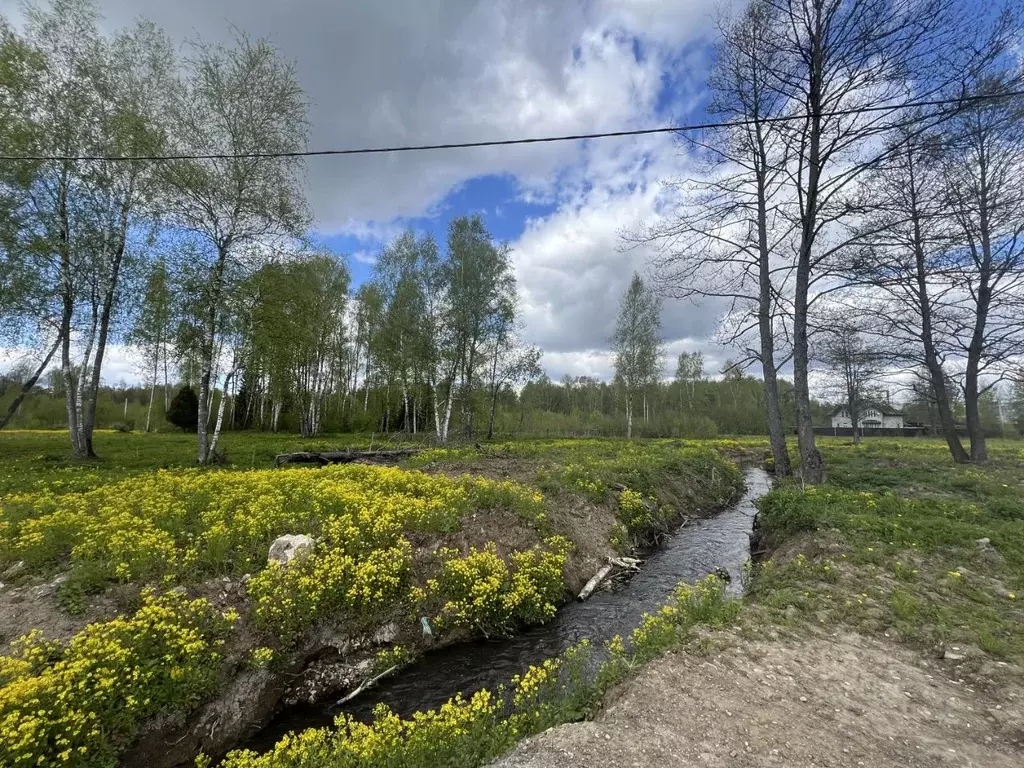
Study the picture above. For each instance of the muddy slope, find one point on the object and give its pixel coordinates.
(828, 701)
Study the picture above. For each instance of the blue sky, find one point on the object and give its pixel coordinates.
(495, 197)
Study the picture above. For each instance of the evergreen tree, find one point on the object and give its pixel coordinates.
(184, 410)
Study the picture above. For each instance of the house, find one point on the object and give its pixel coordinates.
(872, 415)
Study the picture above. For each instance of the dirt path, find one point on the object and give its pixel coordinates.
(837, 701)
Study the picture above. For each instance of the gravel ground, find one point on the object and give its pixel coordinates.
(844, 700)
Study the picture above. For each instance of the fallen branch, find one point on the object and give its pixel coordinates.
(366, 684)
(322, 458)
(626, 563)
(594, 582)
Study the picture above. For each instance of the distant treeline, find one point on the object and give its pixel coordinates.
(573, 406)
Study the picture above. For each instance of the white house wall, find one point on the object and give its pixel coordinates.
(888, 422)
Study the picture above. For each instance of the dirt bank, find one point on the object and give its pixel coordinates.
(841, 700)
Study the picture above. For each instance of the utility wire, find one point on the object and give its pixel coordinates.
(505, 142)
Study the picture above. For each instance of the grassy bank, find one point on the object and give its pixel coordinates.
(153, 584)
(904, 542)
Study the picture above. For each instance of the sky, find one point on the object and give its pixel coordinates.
(386, 72)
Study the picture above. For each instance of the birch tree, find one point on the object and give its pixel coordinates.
(238, 102)
(636, 343)
(151, 332)
(96, 97)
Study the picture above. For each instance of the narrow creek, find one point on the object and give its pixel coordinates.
(696, 550)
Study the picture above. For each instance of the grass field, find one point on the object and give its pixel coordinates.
(902, 541)
(139, 584)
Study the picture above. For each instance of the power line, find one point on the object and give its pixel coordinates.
(504, 142)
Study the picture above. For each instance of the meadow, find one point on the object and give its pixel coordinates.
(149, 579)
(133, 553)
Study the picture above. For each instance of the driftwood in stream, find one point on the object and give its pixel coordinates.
(322, 458)
(594, 582)
(627, 567)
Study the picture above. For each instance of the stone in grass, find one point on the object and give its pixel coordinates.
(291, 546)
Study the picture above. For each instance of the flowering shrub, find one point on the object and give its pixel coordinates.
(480, 590)
(75, 706)
(635, 513)
(190, 524)
(287, 601)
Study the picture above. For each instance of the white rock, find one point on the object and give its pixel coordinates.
(291, 546)
(386, 633)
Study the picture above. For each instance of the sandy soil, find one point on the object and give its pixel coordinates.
(829, 701)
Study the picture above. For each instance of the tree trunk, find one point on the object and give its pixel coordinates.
(29, 383)
(629, 416)
(494, 385)
(209, 353)
(67, 371)
(776, 432)
(220, 416)
(812, 465)
(931, 355)
(104, 333)
(167, 387)
(149, 410)
(490, 422)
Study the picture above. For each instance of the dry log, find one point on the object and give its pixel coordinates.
(322, 458)
(626, 563)
(594, 582)
(364, 686)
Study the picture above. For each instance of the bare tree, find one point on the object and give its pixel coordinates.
(844, 68)
(905, 257)
(727, 236)
(854, 365)
(984, 174)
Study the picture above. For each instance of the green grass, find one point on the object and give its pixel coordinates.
(890, 544)
(35, 459)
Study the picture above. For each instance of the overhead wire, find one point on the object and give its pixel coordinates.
(509, 142)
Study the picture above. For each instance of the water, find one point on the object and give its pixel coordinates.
(697, 549)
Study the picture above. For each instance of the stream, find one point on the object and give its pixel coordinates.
(692, 553)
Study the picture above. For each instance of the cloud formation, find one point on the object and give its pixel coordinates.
(410, 71)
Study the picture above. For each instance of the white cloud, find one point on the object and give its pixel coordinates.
(572, 268)
(365, 257)
(411, 71)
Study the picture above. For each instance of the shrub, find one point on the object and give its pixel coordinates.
(183, 411)
(479, 590)
(468, 732)
(288, 600)
(78, 705)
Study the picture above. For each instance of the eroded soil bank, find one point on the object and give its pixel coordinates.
(829, 700)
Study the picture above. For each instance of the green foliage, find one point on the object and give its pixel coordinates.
(183, 411)
(481, 591)
(78, 705)
(288, 601)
